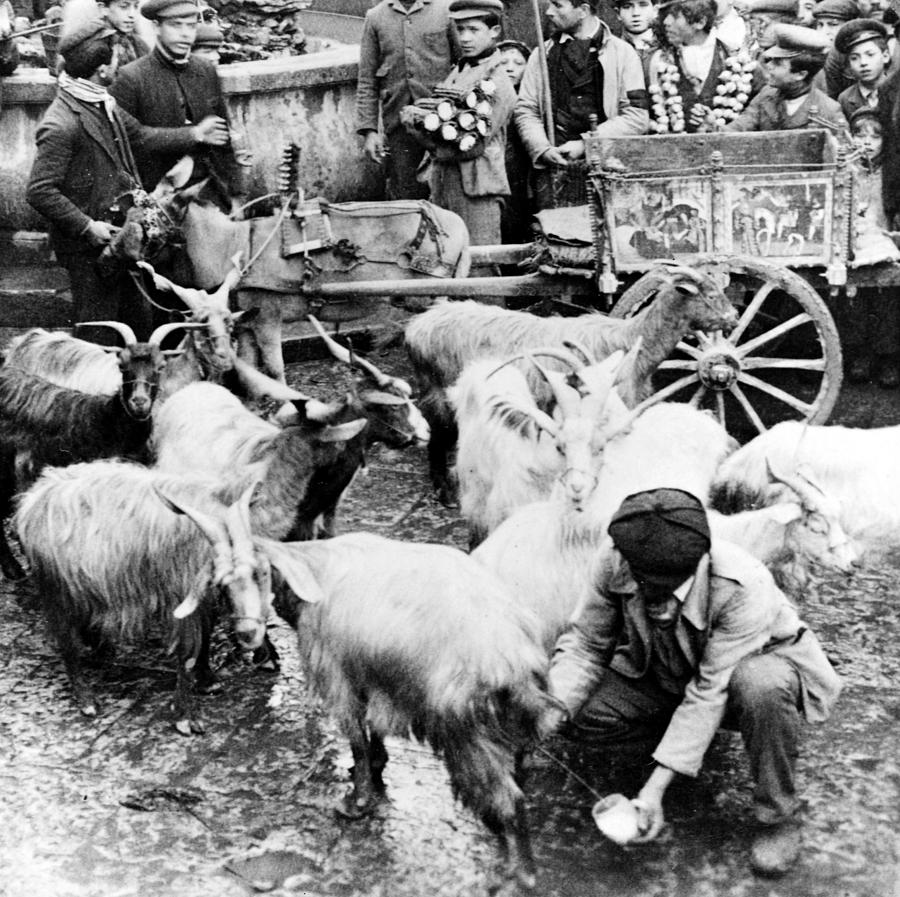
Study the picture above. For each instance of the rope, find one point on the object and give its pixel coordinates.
(567, 770)
(252, 203)
(137, 278)
(255, 257)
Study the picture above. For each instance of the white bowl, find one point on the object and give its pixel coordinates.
(617, 818)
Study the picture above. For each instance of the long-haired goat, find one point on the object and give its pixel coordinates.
(447, 337)
(857, 467)
(110, 559)
(419, 639)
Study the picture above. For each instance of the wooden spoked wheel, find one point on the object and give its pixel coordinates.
(782, 361)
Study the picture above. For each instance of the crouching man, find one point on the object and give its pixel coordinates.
(680, 635)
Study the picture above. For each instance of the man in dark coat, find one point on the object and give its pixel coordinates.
(889, 113)
(84, 162)
(169, 88)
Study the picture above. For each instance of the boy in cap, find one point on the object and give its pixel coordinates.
(169, 88)
(790, 100)
(122, 15)
(591, 72)
(638, 18)
(830, 15)
(407, 46)
(83, 163)
(863, 43)
(474, 187)
(679, 635)
(208, 42)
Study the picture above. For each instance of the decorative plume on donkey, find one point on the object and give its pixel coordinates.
(110, 559)
(419, 639)
(447, 337)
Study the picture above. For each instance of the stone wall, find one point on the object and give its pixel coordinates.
(307, 99)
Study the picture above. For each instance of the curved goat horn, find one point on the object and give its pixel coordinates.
(259, 384)
(559, 354)
(123, 330)
(797, 483)
(581, 349)
(509, 403)
(237, 520)
(164, 330)
(566, 397)
(341, 354)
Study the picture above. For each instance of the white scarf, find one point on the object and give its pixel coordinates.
(87, 92)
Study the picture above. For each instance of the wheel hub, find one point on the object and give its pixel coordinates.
(718, 370)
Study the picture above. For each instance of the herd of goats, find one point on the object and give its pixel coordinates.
(144, 490)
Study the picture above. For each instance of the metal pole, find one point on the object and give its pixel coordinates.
(547, 104)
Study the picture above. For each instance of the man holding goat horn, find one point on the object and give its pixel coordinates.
(682, 635)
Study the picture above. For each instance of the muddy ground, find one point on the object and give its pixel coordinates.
(122, 805)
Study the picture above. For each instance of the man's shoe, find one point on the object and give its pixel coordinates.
(889, 374)
(776, 849)
(860, 370)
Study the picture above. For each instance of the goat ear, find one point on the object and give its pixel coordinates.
(198, 590)
(175, 178)
(686, 287)
(287, 559)
(247, 315)
(341, 432)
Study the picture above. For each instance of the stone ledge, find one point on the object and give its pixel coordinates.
(336, 66)
(29, 87)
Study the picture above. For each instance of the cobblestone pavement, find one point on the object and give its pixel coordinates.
(121, 805)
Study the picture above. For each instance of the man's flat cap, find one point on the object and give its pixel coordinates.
(209, 36)
(769, 7)
(82, 34)
(792, 40)
(858, 31)
(471, 9)
(836, 9)
(169, 9)
(662, 533)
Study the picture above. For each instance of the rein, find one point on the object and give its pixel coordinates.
(265, 243)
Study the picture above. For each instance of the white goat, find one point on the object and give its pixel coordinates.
(858, 467)
(419, 639)
(447, 337)
(110, 559)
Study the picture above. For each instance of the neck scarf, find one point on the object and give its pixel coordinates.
(795, 91)
(87, 92)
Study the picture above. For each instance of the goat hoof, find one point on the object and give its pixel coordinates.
(447, 497)
(352, 807)
(188, 727)
(89, 709)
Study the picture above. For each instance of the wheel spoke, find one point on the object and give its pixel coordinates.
(776, 393)
(678, 364)
(749, 410)
(774, 333)
(720, 407)
(688, 349)
(697, 397)
(675, 386)
(794, 364)
(750, 311)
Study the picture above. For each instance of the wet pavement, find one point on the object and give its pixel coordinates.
(122, 805)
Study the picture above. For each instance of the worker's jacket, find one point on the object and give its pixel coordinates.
(767, 112)
(733, 610)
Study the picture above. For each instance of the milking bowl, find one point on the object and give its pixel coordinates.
(618, 818)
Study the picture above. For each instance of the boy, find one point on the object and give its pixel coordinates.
(122, 16)
(473, 187)
(515, 219)
(637, 18)
(830, 15)
(406, 48)
(864, 44)
(790, 101)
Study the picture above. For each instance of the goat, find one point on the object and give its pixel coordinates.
(51, 424)
(789, 536)
(855, 466)
(110, 559)
(447, 337)
(199, 430)
(419, 639)
(510, 452)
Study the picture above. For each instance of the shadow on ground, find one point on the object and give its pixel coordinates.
(122, 805)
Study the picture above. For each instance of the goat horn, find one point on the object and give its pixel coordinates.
(237, 520)
(508, 403)
(123, 330)
(796, 483)
(213, 529)
(581, 349)
(566, 397)
(164, 330)
(258, 384)
(233, 277)
(348, 357)
(559, 354)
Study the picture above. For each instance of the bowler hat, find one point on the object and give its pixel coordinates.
(169, 9)
(662, 533)
(82, 35)
(792, 40)
(472, 9)
(836, 9)
(209, 36)
(858, 31)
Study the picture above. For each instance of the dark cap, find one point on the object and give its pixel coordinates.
(836, 9)
(662, 533)
(864, 113)
(82, 34)
(769, 7)
(514, 45)
(169, 9)
(473, 9)
(792, 40)
(858, 31)
(209, 36)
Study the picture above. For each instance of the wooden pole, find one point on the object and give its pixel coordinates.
(547, 103)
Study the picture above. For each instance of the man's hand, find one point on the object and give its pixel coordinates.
(100, 233)
(374, 146)
(572, 150)
(212, 131)
(701, 118)
(649, 804)
(552, 156)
